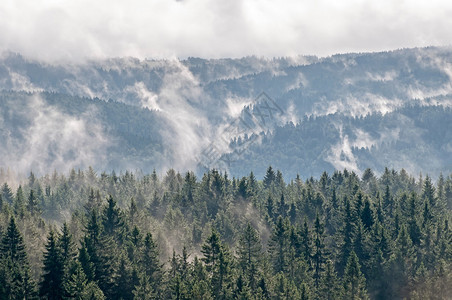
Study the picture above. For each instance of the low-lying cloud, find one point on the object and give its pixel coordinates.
(76, 30)
(48, 139)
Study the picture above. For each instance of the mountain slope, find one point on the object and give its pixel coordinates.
(350, 110)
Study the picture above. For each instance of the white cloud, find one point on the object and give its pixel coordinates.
(50, 139)
(66, 29)
(341, 155)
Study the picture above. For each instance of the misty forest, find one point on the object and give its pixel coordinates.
(84, 235)
(249, 178)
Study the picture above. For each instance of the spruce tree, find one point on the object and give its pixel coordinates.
(329, 287)
(32, 205)
(354, 281)
(249, 254)
(150, 263)
(8, 195)
(19, 202)
(279, 245)
(51, 286)
(318, 251)
(76, 282)
(13, 258)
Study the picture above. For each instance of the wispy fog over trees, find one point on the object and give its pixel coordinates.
(86, 235)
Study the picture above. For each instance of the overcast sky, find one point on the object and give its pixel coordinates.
(78, 29)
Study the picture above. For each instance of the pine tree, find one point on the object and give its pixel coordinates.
(32, 206)
(367, 214)
(249, 254)
(279, 245)
(124, 285)
(90, 205)
(284, 288)
(14, 259)
(413, 227)
(428, 192)
(329, 288)
(144, 291)
(150, 263)
(318, 253)
(7, 194)
(99, 249)
(76, 282)
(19, 202)
(218, 263)
(354, 281)
(346, 237)
(270, 208)
(67, 247)
(282, 207)
(112, 221)
(305, 242)
(51, 286)
(360, 246)
(269, 178)
(86, 263)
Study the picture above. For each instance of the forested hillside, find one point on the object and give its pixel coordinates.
(84, 235)
(47, 131)
(415, 137)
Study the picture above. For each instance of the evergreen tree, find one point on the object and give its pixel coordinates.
(32, 206)
(113, 225)
(99, 249)
(218, 262)
(19, 202)
(249, 254)
(345, 237)
(354, 281)
(13, 258)
(270, 208)
(318, 253)
(279, 245)
(305, 242)
(144, 291)
(8, 195)
(86, 263)
(150, 263)
(124, 284)
(428, 192)
(282, 207)
(52, 281)
(367, 214)
(329, 288)
(269, 178)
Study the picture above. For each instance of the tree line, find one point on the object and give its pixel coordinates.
(145, 236)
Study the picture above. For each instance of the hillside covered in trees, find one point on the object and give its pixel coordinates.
(353, 110)
(85, 235)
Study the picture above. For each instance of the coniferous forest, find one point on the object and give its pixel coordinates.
(84, 235)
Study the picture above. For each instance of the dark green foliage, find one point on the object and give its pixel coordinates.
(52, 280)
(150, 263)
(7, 194)
(269, 178)
(15, 276)
(318, 250)
(250, 255)
(32, 205)
(279, 245)
(354, 281)
(337, 237)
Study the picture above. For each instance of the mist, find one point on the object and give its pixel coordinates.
(45, 139)
(68, 31)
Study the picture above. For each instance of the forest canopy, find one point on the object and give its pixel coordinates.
(85, 235)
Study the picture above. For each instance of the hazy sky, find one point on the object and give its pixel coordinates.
(77, 29)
